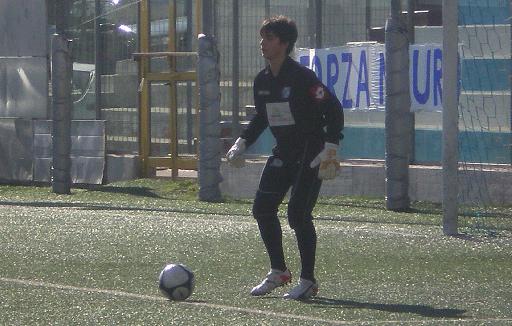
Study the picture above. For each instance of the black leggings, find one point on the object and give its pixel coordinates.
(277, 178)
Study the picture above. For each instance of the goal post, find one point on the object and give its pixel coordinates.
(450, 145)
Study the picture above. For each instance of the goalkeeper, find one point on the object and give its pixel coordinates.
(306, 120)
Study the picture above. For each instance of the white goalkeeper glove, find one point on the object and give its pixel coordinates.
(235, 154)
(328, 161)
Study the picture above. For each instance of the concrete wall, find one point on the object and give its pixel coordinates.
(16, 148)
(122, 167)
(26, 147)
(87, 151)
(360, 178)
(23, 59)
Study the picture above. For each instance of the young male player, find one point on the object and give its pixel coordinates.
(306, 121)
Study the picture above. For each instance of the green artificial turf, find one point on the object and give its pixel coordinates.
(93, 257)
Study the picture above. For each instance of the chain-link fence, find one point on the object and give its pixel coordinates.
(106, 34)
(109, 32)
(320, 23)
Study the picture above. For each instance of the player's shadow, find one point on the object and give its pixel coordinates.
(422, 310)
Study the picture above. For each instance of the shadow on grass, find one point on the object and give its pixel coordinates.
(134, 191)
(374, 221)
(480, 236)
(89, 206)
(433, 210)
(484, 214)
(421, 310)
(429, 209)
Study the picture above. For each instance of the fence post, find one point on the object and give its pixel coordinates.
(208, 17)
(208, 72)
(411, 8)
(97, 58)
(235, 80)
(397, 111)
(450, 117)
(318, 24)
(61, 114)
(315, 23)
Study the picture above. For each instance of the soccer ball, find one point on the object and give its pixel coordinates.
(176, 281)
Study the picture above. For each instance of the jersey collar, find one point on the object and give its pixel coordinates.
(284, 68)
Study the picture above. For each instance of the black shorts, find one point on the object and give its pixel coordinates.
(276, 179)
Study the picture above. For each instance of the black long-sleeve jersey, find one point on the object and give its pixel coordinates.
(301, 112)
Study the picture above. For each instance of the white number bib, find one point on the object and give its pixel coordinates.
(279, 114)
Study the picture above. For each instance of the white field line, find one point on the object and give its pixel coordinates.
(157, 298)
(235, 309)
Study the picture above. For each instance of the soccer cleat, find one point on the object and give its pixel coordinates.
(303, 291)
(275, 278)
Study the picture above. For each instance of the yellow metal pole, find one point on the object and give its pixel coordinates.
(144, 113)
(173, 103)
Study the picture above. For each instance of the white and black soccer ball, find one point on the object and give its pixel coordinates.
(176, 281)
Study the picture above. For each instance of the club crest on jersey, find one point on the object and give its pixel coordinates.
(285, 93)
(318, 93)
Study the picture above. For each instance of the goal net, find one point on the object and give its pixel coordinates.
(485, 140)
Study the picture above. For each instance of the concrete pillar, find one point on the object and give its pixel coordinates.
(62, 106)
(209, 126)
(397, 117)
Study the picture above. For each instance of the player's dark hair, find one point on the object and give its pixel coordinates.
(282, 27)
